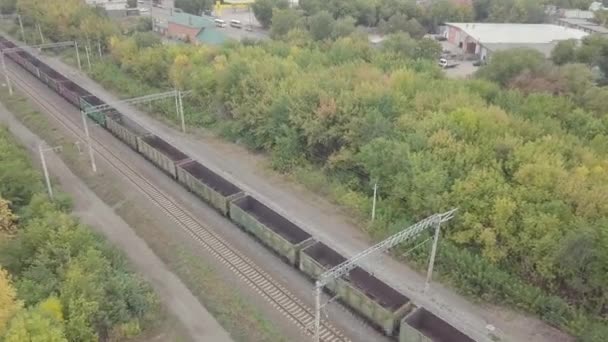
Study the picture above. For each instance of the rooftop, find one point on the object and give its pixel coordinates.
(544, 48)
(190, 20)
(576, 13)
(208, 32)
(585, 24)
(518, 33)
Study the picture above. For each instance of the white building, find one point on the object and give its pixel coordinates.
(482, 39)
(596, 6)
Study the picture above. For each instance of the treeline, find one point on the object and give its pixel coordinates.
(58, 280)
(527, 168)
(413, 17)
(574, 69)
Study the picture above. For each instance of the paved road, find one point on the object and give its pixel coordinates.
(247, 19)
(199, 323)
(328, 223)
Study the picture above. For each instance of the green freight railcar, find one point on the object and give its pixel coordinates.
(274, 230)
(318, 258)
(88, 104)
(422, 326)
(369, 296)
(124, 128)
(208, 185)
(161, 153)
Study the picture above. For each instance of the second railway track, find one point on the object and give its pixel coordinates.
(243, 267)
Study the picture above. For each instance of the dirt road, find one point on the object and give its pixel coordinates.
(200, 325)
(329, 224)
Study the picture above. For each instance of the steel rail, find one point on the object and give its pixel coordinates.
(277, 295)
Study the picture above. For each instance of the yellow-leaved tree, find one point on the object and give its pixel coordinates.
(9, 305)
(8, 220)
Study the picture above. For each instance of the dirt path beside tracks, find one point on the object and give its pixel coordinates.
(328, 223)
(200, 325)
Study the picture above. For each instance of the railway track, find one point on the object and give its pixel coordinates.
(278, 296)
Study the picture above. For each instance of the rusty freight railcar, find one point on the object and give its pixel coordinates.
(274, 230)
(318, 258)
(208, 185)
(161, 153)
(51, 78)
(373, 299)
(422, 326)
(124, 128)
(29, 62)
(72, 92)
(362, 292)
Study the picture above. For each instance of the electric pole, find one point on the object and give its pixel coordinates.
(429, 272)
(348, 265)
(181, 111)
(8, 80)
(40, 32)
(374, 201)
(86, 50)
(44, 168)
(86, 132)
(77, 55)
(21, 27)
(99, 49)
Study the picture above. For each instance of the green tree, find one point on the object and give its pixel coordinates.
(283, 21)
(18, 180)
(396, 23)
(8, 6)
(427, 48)
(196, 7)
(34, 325)
(505, 65)
(144, 24)
(321, 25)
(263, 11)
(601, 17)
(343, 27)
(564, 52)
(310, 7)
(414, 29)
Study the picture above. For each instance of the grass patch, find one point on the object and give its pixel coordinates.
(238, 316)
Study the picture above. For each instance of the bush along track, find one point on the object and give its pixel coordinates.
(63, 281)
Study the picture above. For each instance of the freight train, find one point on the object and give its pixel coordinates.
(380, 304)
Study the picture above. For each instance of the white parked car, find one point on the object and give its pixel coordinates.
(445, 63)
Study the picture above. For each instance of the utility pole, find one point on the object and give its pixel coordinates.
(86, 50)
(21, 27)
(429, 272)
(86, 132)
(77, 55)
(40, 32)
(44, 168)
(8, 80)
(181, 111)
(374, 201)
(317, 312)
(348, 265)
(177, 103)
(99, 49)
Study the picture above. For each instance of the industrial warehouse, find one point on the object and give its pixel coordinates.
(482, 39)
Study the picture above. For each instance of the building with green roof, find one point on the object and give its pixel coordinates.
(194, 29)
